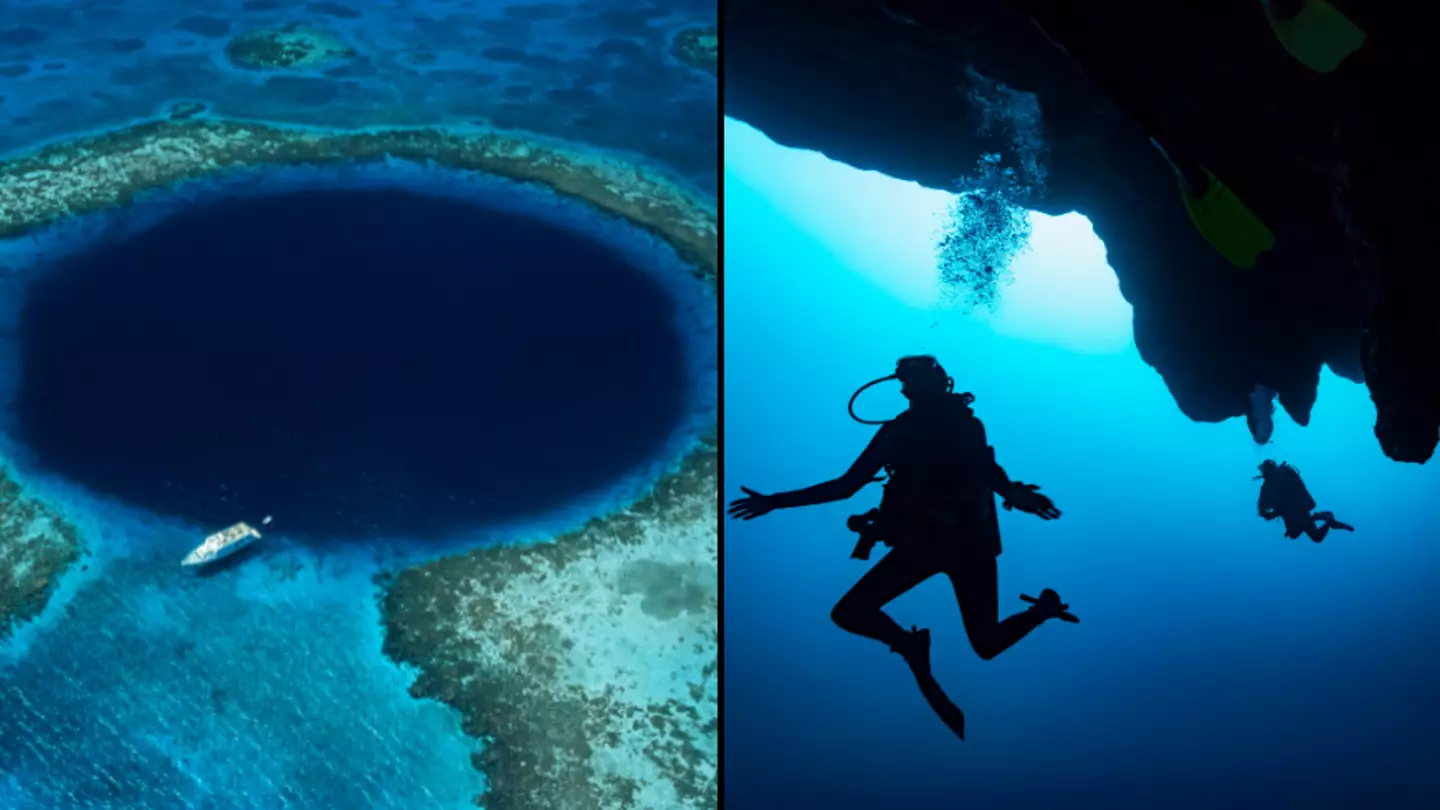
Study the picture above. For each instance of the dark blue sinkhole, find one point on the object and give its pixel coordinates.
(359, 364)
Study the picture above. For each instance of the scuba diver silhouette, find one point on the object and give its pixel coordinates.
(1284, 495)
(937, 515)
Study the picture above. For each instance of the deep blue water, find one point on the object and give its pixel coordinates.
(357, 363)
(1217, 664)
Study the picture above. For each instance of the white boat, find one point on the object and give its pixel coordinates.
(223, 543)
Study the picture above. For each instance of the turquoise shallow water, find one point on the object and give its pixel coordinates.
(159, 689)
(263, 686)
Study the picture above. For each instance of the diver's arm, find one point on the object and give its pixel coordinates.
(999, 482)
(862, 472)
(995, 476)
(1265, 505)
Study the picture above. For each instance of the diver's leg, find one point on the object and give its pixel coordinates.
(976, 584)
(1294, 527)
(859, 610)
(1316, 528)
(1329, 519)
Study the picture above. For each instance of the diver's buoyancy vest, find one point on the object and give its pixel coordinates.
(939, 487)
(937, 458)
(1288, 492)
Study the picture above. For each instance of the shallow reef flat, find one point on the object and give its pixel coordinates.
(37, 546)
(587, 665)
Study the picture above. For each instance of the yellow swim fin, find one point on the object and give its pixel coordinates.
(1320, 36)
(1228, 223)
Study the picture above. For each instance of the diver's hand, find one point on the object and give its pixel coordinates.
(752, 506)
(1026, 498)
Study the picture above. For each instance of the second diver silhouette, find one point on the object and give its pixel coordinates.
(1284, 495)
(937, 516)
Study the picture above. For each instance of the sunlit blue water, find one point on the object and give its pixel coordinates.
(1217, 664)
(145, 687)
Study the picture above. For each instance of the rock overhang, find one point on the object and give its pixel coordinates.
(890, 88)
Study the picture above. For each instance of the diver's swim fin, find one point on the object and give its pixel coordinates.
(944, 708)
(1227, 223)
(1329, 518)
(1319, 36)
(1049, 601)
(917, 655)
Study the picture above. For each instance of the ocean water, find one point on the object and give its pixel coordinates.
(397, 362)
(598, 73)
(1216, 664)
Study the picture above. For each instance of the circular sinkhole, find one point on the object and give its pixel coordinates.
(357, 363)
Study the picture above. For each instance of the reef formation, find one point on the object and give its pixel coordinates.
(1335, 164)
(699, 48)
(292, 47)
(587, 663)
(95, 173)
(37, 547)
